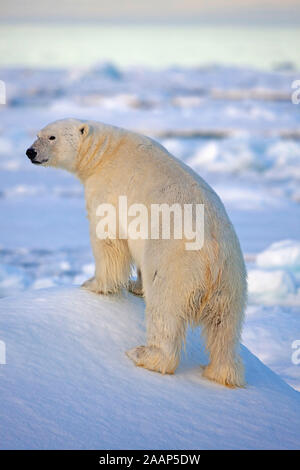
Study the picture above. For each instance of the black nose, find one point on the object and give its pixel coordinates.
(31, 153)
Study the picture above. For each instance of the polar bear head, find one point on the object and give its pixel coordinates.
(58, 144)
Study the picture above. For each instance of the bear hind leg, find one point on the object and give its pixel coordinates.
(222, 334)
(165, 334)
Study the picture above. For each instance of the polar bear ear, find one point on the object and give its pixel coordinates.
(84, 129)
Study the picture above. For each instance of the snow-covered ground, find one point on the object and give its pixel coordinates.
(238, 128)
(68, 384)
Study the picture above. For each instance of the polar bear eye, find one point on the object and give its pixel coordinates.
(52, 137)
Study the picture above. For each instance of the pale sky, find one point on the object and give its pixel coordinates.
(262, 11)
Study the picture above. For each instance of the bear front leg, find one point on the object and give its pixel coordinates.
(112, 266)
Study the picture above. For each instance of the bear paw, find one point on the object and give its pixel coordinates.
(152, 358)
(231, 376)
(135, 288)
(93, 285)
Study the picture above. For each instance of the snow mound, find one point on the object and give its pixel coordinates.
(68, 384)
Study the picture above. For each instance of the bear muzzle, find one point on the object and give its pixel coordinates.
(31, 154)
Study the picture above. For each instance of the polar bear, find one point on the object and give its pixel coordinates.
(181, 287)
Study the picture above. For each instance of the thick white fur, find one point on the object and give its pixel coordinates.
(206, 287)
